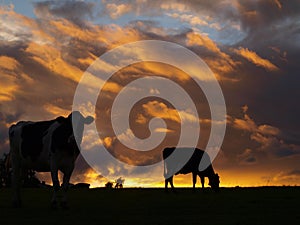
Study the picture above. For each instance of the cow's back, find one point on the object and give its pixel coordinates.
(192, 165)
(26, 141)
(32, 139)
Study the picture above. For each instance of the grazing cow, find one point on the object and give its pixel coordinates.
(46, 146)
(174, 167)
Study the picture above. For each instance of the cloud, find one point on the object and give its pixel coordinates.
(161, 110)
(270, 138)
(247, 157)
(220, 62)
(284, 177)
(256, 59)
(245, 124)
(202, 40)
(191, 19)
(56, 110)
(115, 11)
(51, 58)
(75, 11)
(8, 83)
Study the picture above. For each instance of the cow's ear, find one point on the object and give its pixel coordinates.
(88, 120)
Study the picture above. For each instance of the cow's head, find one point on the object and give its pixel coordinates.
(214, 182)
(78, 121)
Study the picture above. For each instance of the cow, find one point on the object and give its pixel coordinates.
(46, 146)
(175, 167)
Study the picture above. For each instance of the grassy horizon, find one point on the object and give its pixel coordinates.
(264, 205)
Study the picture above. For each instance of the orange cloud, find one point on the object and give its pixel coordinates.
(51, 58)
(89, 176)
(221, 63)
(246, 124)
(8, 63)
(7, 90)
(108, 141)
(202, 40)
(246, 157)
(163, 130)
(88, 60)
(112, 87)
(56, 110)
(8, 84)
(165, 70)
(267, 129)
(256, 59)
(161, 110)
(269, 137)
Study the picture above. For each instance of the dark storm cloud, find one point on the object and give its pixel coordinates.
(5, 120)
(75, 11)
(264, 14)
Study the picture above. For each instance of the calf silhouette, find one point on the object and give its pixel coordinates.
(192, 166)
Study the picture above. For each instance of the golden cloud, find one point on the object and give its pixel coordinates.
(256, 59)
(112, 87)
(51, 58)
(161, 110)
(108, 141)
(8, 63)
(56, 110)
(202, 40)
(8, 84)
(221, 63)
(246, 124)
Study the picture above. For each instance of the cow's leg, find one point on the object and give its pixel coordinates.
(166, 184)
(202, 181)
(171, 183)
(55, 181)
(194, 180)
(65, 185)
(16, 181)
(169, 180)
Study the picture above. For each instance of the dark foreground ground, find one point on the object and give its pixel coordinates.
(232, 206)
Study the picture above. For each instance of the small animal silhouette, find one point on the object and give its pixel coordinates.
(192, 166)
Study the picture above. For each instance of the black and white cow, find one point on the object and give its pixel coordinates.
(191, 166)
(46, 146)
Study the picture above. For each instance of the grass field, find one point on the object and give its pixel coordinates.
(232, 206)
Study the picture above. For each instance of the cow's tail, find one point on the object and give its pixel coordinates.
(8, 159)
(165, 169)
(166, 153)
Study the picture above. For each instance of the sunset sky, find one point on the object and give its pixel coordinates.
(251, 46)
